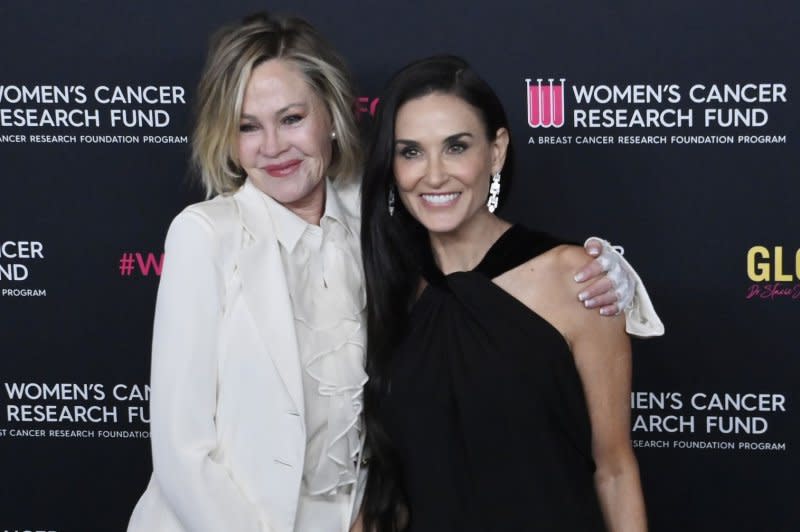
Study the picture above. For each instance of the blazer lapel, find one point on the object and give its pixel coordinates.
(265, 291)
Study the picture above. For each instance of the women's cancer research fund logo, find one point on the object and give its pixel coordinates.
(545, 102)
(740, 110)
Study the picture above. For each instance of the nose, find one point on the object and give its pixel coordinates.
(272, 143)
(436, 173)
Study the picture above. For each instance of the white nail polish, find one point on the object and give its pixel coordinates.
(578, 277)
(582, 296)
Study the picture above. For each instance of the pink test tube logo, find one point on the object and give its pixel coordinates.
(545, 103)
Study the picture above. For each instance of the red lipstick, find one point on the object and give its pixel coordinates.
(282, 169)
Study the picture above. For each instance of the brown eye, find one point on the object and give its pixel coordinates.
(457, 147)
(409, 152)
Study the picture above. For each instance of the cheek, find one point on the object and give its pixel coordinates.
(482, 182)
(326, 148)
(317, 146)
(475, 177)
(247, 149)
(317, 143)
(404, 174)
(316, 132)
(406, 183)
(477, 168)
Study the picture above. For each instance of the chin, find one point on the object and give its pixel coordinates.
(292, 192)
(441, 223)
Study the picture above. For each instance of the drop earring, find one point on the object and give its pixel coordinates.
(390, 200)
(494, 192)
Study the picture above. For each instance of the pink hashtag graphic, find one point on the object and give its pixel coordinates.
(145, 264)
(126, 264)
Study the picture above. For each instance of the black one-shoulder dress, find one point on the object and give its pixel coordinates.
(486, 409)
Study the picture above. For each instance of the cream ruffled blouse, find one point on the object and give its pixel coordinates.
(325, 278)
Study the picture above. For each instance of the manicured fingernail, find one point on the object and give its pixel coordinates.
(589, 303)
(594, 252)
(604, 312)
(582, 296)
(580, 276)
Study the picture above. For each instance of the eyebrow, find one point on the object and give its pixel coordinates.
(447, 140)
(279, 111)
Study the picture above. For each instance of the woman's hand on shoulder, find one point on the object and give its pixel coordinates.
(546, 285)
(603, 292)
(608, 283)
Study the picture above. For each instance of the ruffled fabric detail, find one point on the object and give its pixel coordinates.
(329, 301)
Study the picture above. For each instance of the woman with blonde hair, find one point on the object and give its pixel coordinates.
(259, 337)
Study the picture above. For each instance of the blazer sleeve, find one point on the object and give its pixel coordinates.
(199, 490)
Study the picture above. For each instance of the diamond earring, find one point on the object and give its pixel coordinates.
(494, 192)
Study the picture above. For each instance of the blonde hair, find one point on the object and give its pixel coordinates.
(234, 52)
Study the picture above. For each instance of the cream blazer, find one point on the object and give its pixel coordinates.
(227, 427)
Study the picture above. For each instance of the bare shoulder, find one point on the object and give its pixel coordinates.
(584, 324)
(553, 271)
(568, 258)
(546, 285)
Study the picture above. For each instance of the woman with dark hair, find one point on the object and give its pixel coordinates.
(258, 338)
(493, 401)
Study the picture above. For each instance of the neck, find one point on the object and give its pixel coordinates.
(463, 248)
(310, 207)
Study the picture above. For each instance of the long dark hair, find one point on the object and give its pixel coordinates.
(395, 249)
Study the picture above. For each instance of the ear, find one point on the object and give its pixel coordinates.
(499, 148)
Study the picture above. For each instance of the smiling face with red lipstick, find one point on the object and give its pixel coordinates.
(285, 138)
(443, 161)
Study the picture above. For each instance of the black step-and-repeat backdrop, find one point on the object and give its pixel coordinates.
(672, 130)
